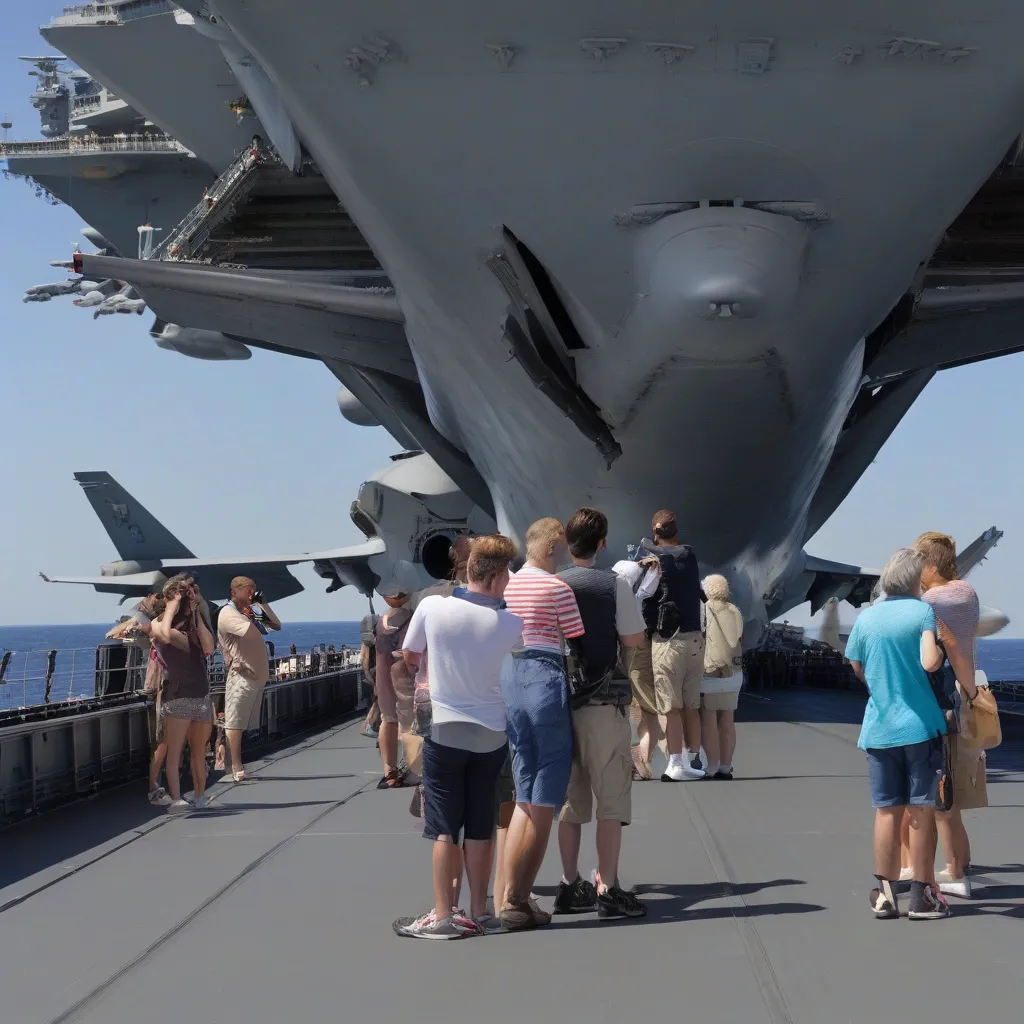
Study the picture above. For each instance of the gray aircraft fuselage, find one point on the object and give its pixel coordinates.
(435, 127)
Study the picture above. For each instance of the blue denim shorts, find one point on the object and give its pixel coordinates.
(905, 776)
(536, 696)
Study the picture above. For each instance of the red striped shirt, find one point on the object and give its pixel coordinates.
(543, 602)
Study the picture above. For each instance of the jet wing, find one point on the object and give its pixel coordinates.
(214, 575)
(290, 311)
(184, 564)
(133, 585)
(839, 580)
(954, 325)
(350, 566)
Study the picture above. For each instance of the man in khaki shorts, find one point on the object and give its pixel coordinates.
(602, 770)
(246, 665)
(677, 647)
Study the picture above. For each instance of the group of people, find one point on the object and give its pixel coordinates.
(914, 648)
(511, 694)
(175, 632)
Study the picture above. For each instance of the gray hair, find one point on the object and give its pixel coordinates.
(901, 576)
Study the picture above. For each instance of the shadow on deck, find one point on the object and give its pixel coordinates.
(277, 902)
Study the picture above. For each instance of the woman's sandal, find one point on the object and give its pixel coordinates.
(394, 779)
(641, 769)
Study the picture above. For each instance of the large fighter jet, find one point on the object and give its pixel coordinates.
(408, 513)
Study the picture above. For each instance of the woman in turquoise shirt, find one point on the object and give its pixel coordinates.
(891, 648)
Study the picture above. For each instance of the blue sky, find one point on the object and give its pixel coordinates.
(273, 467)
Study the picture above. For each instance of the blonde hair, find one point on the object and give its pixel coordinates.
(489, 556)
(938, 550)
(716, 588)
(542, 537)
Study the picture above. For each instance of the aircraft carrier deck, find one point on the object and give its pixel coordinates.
(277, 902)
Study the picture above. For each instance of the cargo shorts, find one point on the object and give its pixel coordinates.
(602, 766)
(637, 663)
(678, 664)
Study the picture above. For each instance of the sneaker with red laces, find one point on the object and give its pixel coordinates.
(429, 926)
(464, 922)
(931, 905)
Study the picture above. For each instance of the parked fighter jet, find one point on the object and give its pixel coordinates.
(125, 301)
(409, 513)
(45, 292)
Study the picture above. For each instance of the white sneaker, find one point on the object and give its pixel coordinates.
(681, 773)
(159, 797)
(200, 802)
(956, 887)
(179, 807)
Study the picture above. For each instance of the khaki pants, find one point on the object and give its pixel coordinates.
(638, 666)
(602, 766)
(242, 701)
(678, 664)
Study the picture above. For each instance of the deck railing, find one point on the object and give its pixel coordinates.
(30, 679)
(111, 13)
(86, 144)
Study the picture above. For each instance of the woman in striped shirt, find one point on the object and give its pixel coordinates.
(536, 697)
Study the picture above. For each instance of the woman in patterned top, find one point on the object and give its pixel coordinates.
(183, 643)
(955, 603)
(536, 696)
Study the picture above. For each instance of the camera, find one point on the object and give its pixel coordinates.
(257, 598)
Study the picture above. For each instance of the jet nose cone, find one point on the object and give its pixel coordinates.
(991, 620)
(722, 263)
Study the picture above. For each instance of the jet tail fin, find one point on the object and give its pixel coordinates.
(975, 553)
(137, 534)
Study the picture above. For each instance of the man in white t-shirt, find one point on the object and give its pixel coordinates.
(467, 636)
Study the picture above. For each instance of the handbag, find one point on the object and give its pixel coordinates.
(979, 718)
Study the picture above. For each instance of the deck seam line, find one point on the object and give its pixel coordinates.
(757, 955)
(101, 991)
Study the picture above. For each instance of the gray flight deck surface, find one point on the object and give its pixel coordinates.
(277, 903)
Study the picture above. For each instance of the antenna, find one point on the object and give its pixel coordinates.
(7, 125)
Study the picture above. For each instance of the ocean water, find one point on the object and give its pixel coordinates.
(24, 679)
